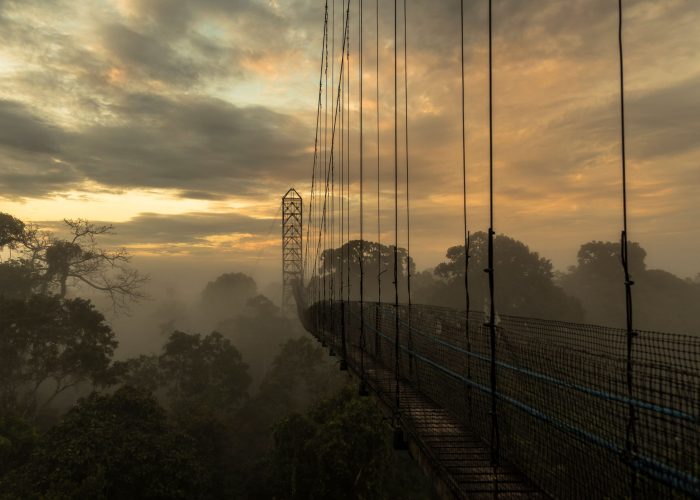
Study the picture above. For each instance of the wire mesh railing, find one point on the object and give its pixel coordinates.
(561, 396)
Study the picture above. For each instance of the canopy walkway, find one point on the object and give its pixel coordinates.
(492, 406)
(561, 400)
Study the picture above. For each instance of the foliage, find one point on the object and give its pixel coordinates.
(378, 260)
(226, 296)
(54, 263)
(661, 300)
(258, 331)
(524, 281)
(116, 446)
(299, 377)
(204, 371)
(50, 345)
(16, 280)
(338, 450)
(17, 439)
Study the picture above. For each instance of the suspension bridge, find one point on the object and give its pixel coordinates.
(490, 405)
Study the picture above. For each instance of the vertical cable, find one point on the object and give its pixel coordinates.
(408, 203)
(397, 364)
(490, 269)
(343, 305)
(363, 388)
(464, 214)
(379, 221)
(332, 167)
(325, 199)
(310, 227)
(347, 146)
(631, 434)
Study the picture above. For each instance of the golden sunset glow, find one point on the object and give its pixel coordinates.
(124, 111)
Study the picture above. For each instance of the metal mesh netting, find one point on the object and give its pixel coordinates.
(562, 399)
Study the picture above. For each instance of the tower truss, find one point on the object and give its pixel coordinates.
(292, 255)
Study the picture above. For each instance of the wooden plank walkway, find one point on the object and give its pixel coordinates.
(449, 453)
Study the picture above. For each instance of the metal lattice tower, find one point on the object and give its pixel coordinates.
(292, 255)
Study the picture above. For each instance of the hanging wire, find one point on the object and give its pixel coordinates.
(311, 225)
(464, 213)
(630, 434)
(490, 270)
(323, 231)
(332, 249)
(343, 303)
(408, 198)
(347, 147)
(397, 351)
(363, 382)
(379, 220)
(325, 199)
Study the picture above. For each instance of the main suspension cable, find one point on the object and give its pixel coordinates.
(315, 160)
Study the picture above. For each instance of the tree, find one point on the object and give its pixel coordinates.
(111, 446)
(378, 260)
(47, 346)
(300, 376)
(204, 371)
(55, 263)
(524, 281)
(226, 296)
(12, 231)
(340, 449)
(258, 330)
(662, 301)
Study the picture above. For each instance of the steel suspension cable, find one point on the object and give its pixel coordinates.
(325, 199)
(630, 434)
(397, 351)
(347, 147)
(334, 125)
(408, 202)
(363, 383)
(332, 249)
(346, 253)
(315, 160)
(464, 212)
(495, 445)
(379, 223)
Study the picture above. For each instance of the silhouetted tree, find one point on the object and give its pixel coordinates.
(54, 263)
(378, 260)
(47, 346)
(524, 281)
(338, 450)
(258, 330)
(112, 446)
(662, 301)
(226, 296)
(203, 371)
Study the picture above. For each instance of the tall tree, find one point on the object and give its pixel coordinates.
(48, 346)
(662, 301)
(55, 263)
(378, 260)
(117, 446)
(524, 281)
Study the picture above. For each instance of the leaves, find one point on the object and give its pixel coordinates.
(48, 342)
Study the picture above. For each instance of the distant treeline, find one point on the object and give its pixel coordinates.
(592, 291)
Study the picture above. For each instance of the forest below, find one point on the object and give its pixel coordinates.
(241, 403)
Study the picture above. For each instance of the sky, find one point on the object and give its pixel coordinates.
(183, 122)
